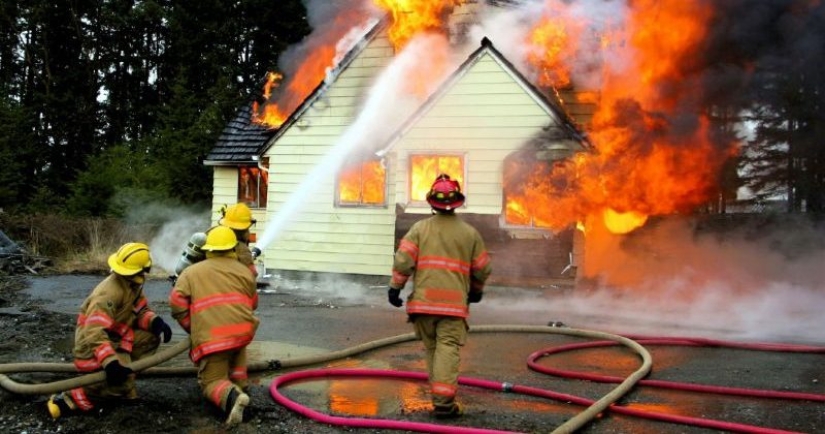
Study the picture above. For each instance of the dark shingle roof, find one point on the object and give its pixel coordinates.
(240, 140)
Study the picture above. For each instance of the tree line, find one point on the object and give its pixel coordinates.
(104, 104)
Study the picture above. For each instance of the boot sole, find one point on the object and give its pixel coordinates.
(236, 415)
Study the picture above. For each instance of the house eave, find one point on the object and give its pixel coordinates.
(229, 163)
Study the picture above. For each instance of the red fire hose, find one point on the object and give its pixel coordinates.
(532, 363)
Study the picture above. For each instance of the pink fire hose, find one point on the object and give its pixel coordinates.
(532, 363)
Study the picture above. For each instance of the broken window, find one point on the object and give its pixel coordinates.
(253, 181)
(362, 183)
(424, 168)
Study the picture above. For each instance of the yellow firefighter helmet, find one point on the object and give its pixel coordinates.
(237, 216)
(220, 239)
(131, 259)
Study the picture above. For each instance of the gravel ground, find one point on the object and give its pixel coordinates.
(33, 329)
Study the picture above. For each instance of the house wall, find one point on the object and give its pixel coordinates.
(485, 116)
(318, 236)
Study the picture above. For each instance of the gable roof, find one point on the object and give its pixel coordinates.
(242, 140)
(566, 130)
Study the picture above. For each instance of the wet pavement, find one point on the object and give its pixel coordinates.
(316, 317)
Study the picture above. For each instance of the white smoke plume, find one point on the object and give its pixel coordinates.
(759, 283)
(170, 241)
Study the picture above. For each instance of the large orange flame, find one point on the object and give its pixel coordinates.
(412, 17)
(645, 162)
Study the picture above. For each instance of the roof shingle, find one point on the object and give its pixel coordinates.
(240, 140)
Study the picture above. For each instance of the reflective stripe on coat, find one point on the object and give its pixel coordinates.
(107, 322)
(447, 258)
(214, 301)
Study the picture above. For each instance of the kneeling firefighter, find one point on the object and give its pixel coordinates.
(237, 217)
(215, 301)
(115, 327)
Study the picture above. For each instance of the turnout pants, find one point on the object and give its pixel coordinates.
(219, 373)
(443, 337)
(84, 398)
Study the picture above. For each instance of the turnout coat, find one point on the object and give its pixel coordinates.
(447, 258)
(107, 322)
(214, 301)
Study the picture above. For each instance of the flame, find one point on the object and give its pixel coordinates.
(623, 222)
(363, 183)
(283, 93)
(306, 78)
(425, 168)
(409, 19)
(551, 49)
(644, 163)
(413, 17)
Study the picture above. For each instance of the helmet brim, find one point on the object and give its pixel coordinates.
(234, 225)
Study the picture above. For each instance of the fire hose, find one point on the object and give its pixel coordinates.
(147, 366)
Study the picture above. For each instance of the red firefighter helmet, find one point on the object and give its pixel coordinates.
(445, 194)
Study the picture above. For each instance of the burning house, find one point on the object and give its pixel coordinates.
(334, 181)
(337, 157)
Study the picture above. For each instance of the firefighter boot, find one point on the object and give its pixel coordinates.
(60, 405)
(449, 411)
(236, 402)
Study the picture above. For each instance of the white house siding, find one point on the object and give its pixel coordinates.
(485, 116)
(320, 237)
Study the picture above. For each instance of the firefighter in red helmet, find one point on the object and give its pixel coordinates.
(450, 265)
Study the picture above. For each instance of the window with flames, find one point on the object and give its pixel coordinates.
(362, 183)
(253, 182)
(424, 168)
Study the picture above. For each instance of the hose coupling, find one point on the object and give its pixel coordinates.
(556, 324)
(274, 365)
(506, 387)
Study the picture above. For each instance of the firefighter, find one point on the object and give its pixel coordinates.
(237, 217)
(450, 266)
(214, 301)
(115, 327)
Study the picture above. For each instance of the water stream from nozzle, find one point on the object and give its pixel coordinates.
(383, 111)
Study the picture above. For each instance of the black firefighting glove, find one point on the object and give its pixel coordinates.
(116, 374)
(160, 327)
(393, 297)
(475, 296)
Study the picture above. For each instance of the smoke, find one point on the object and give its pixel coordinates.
(170, 241)
(761, 282)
